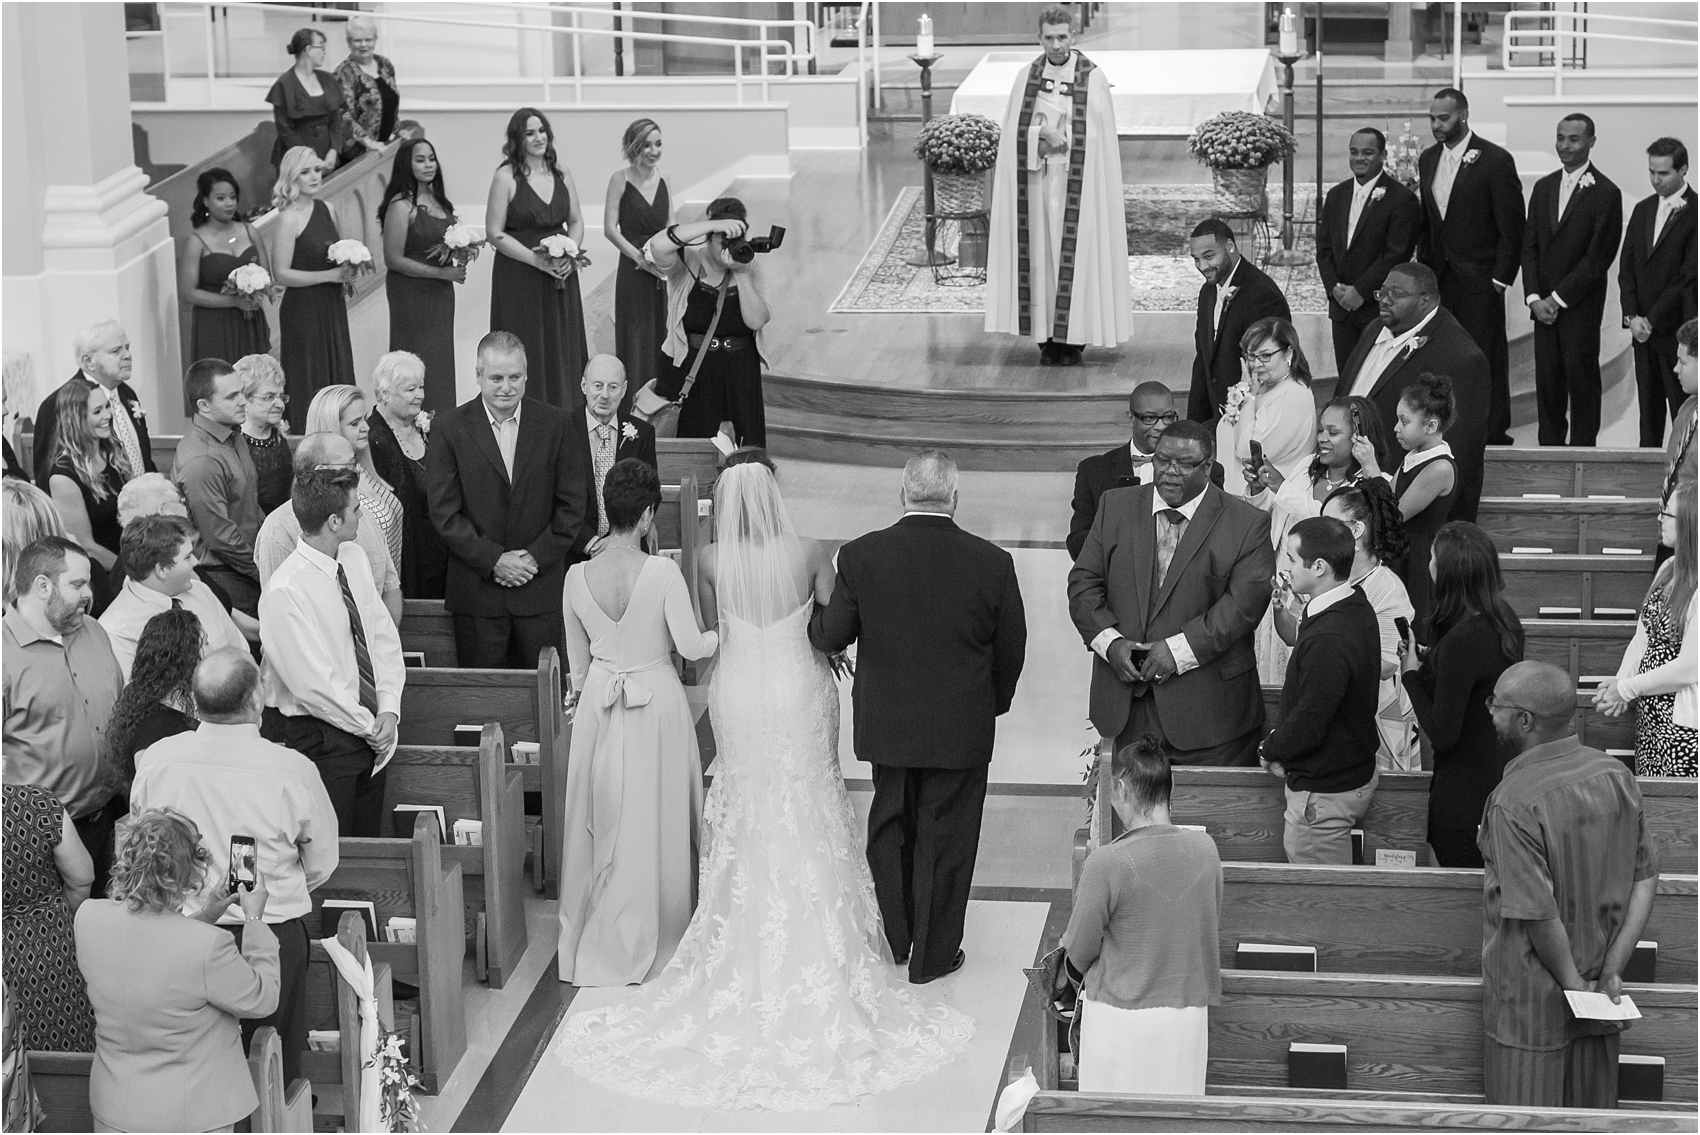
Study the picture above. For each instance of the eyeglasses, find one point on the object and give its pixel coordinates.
(1391, 296)
(268, 399)
(1493, 704)
(1168, 419)
(1262, 358)
(1172, 463)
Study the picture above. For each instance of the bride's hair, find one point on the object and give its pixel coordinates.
(756, 546)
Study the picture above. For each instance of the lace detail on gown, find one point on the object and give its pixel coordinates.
(782, 994)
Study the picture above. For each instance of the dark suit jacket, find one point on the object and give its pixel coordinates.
(641, 447)
(1216, 359)
(1658, 280)
(480, 514)
(1481, 238)
(1572, 254)
(1097, 475)
(1385, 236)
(47, 420)
(1447, 349)
(1216, 591)
(942, 635)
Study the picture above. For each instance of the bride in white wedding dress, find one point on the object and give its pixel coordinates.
(783, 993)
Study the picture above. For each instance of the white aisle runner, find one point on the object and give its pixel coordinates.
(1000, 939)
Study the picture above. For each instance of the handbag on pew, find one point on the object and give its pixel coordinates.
(648, 403)
(1059, 992)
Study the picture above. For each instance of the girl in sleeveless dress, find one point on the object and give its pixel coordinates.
(415, 213)
(313, 318)
(782, 993)
(1426, 482)
(637, 196)
(219, 242)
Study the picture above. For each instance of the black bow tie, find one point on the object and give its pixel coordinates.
(1141, 458)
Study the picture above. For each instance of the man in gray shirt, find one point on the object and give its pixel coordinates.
(216, 473)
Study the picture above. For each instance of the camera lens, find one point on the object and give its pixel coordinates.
(741, 251)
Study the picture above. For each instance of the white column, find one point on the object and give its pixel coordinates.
(83, 240)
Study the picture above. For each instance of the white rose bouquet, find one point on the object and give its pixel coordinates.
(459, 247)
(1238, 395)
(561, 250)
(253, 283)
(351, 253)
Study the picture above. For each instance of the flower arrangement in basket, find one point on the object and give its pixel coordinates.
(561, 250)
(351, 253)
(459, 247)
(959, 149)
(252, 283)
(1239, 147)
(396, 1080)
(1402, 155)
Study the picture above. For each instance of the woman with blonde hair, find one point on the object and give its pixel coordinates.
(86, 470)
(26, 515)
(263, 385)
(342, 410)
(638, 200)
(169, 989)
(398, 427)
(1658, 669)
(313, 344)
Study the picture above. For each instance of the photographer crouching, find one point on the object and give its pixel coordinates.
(715, 313)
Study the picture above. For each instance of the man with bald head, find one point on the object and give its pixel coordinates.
(1571, 870)
(611, 436)
(281, 532)
(1411, 336)
(233, 782)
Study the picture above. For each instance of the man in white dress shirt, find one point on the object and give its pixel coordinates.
(334, 670)
(232, 782)
(159, 567)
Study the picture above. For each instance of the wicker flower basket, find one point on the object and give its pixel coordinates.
(960, 194)
(1241, 190)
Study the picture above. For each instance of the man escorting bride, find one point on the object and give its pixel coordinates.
(782, 992)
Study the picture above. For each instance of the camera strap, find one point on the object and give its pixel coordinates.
(708, 338)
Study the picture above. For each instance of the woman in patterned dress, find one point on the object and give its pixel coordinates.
(1658, 669)
(342, 410)
(47, 874)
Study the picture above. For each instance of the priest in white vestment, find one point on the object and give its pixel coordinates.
(1062, 284)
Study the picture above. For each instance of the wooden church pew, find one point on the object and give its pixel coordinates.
(332, 1003)
(428, 628)
(679, 457)
(1538, 585)
(1586, 526)
(408, 878)
(1593, 727)
(1587, 648)
(1511, 471)
(475, 784)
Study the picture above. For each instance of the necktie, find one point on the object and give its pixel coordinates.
(124, 431)
(1444, 175)
(362, 656)
(602, 462)
(1661, 215)
(1168, 539)
(1360, 198)
(1675, 469)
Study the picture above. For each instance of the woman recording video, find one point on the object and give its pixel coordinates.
(715, 313)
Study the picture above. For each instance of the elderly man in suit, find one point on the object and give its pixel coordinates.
(507, 477)
(1415, 334)
(1234, 296)
(1167, 592)
(610, 437)
(103, 356)
(1472, 238)
(1369, 223)
(1656, 276)
(1575, 219)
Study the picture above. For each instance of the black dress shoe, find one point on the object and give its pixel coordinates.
(1070, 356)
(954, 966)
(902, 959)
(1048, 354)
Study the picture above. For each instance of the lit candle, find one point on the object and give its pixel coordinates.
(1289, 33)
(924, 41)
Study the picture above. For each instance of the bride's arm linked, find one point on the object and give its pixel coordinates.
(688, 640)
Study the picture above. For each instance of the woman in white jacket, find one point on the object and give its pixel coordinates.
(1659, 668)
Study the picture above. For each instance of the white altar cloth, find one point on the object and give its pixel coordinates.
(1156, 93)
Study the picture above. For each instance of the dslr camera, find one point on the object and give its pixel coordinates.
(743, 249)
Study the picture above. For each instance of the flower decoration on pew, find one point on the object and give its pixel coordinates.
(562, 250)
(459, 247)
(351, 254)
(251, 282)
(959, 143)
(398, 1109)
(1238, 139)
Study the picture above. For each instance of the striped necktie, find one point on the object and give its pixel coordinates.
(1675, 469)
(602, 462)
(362, 656)
(124, 433)
(1168, 539)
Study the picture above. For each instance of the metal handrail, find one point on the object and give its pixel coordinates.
(1520, 39)
(805, 29)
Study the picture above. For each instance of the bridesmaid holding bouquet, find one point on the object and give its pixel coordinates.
(533, 294)
(313, 318)
(223, 324)
(416, 215)
(639, 202)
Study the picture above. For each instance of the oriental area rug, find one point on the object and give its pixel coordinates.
(1159, 217)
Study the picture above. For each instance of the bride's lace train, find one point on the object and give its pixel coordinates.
(782, 994)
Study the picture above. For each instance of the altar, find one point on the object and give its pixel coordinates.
(1157, 94)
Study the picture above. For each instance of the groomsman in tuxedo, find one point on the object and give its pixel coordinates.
(507, 477)
(610, 436)
(1369, 223)
(1656, 275)
(1473, 238)
(1234, 296)
(1575, 220)
(942, 635)
(1415, 334)
(103, 357)
(1167, 593)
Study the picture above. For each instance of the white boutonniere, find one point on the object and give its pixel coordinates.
(137, 414)
(1470, 157)
(1238, 395)
(1377, 194)
(1414, 346)
(1228, 295)
(423, 422)
(628, 431)
(1676, 206)
(1585, 180)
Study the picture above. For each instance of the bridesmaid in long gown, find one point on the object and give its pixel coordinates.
(313, 318)
(638, 198)
(634, 781)
(219, 242)
(415, 213)
(531, 196)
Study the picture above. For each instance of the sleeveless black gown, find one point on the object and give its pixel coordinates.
(640, 299)
(226, 333)
(546, 314)
(313, 323)
(422, 313)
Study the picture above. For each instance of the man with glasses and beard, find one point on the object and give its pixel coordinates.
(1414, 335)
(62, 680)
